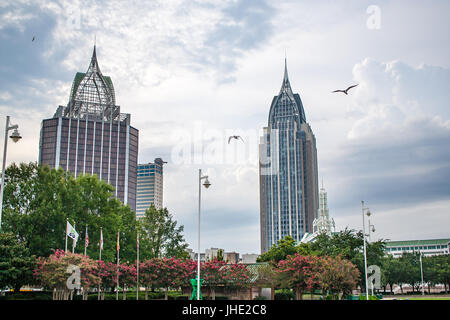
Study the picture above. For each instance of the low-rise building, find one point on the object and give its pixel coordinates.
(430, 247)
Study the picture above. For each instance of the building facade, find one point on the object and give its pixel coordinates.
(288, 171)
(429, 247)
(91, 136)
(149, 186)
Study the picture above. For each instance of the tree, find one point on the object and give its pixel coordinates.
(220, 255)
(349, 245)
(52, 273)
(300, 273)
(38, 200)
(107, 272)
(213, 275)
(267, 277)
(128, 277)
(160, 236)
(171, 273)
(279, 251)
(337, 275)
(16, 262)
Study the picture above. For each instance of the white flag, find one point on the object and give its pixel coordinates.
(71, 232)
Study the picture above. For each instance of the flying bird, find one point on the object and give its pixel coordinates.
(33, 38)
(346, 90)
(234, 137)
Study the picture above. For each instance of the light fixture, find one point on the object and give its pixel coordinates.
(15, 136)
(206, 183)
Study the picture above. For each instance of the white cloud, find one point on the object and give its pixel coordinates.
(176, 63)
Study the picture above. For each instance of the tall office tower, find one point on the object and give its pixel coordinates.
(288, 170)
(91, 136)
(149, 186)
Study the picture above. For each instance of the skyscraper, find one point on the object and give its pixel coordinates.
(149, 186)
(287, 170)
(90, 136)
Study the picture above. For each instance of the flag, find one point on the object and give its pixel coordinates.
(71, 232)
(86, 243)
(118, 246)
(101, 239)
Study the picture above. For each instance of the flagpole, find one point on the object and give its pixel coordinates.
(100, 256)
(137, 268)
(73, 242)
(85, 241)
(118, 251)
(101, 244)
(67, 221)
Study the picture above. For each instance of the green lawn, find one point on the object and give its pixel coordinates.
(428, 298)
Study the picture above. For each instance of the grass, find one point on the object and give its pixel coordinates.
(427, 298)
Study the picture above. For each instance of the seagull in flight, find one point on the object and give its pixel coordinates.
(346, 90)
(234, 137)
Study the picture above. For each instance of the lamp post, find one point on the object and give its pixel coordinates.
(421, 273)
(15, 136)
(206, 184)
(364, 242)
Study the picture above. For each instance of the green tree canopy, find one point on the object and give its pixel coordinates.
(160, 236)
(16, 262)
(38, 201)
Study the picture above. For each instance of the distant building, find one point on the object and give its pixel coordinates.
(211, 253)
(231, 257)
(430, 247)
(91, 136)
(193, 255)
(249, 258)
(287, 171)
(149, 186)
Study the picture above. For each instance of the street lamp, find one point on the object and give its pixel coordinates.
(206, 184)
(364, 242)
(15, 136)
(421, 272)
(371, 226)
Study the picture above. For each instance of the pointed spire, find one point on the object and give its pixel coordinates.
(286, 86)
(93, 66)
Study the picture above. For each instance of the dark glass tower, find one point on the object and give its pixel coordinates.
(91, 136)
(288, 170)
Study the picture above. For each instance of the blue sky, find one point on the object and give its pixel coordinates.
(191, 73)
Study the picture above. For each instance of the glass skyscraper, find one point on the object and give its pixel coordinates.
(149, 186)
(288, 170)
(91, 136)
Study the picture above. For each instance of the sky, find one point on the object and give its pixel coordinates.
(192, 73)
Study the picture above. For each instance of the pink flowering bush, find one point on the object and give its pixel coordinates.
(52, 274)
(300, 273)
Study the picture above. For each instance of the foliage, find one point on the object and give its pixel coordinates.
(16, 262)
(299, 273)
(51, 272)
(280, 251)
(38, 200)
(337, 275)
(160, 236)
